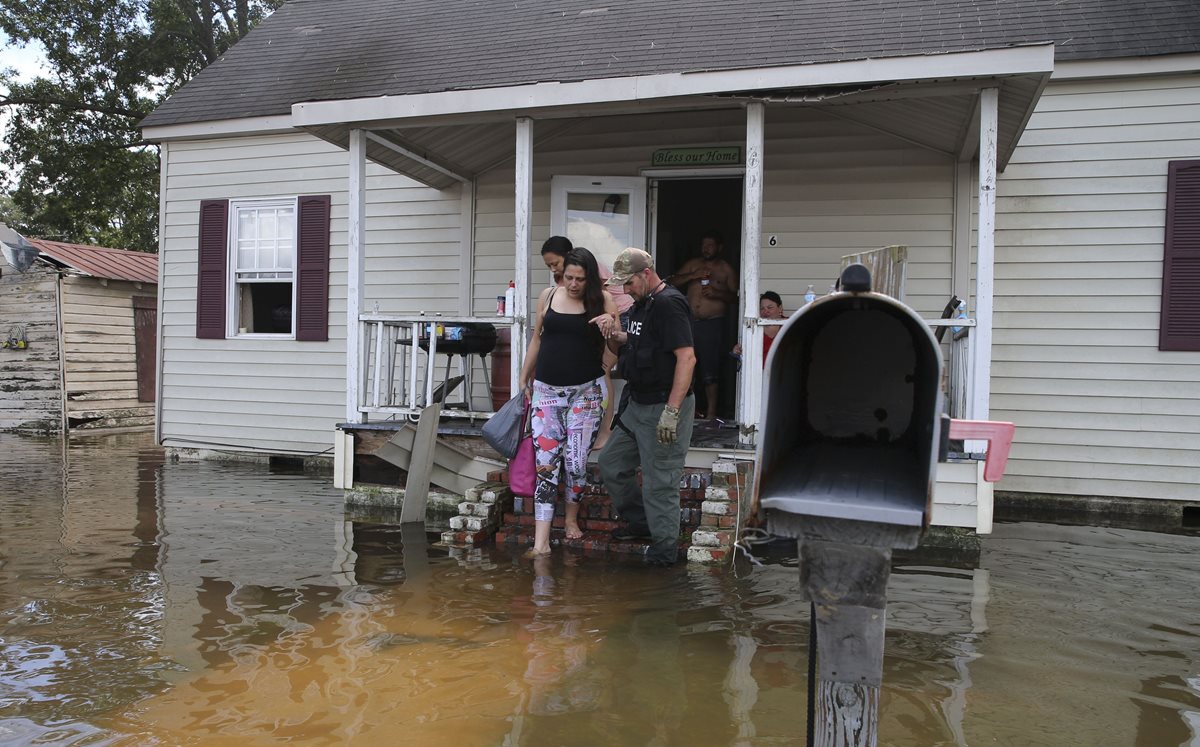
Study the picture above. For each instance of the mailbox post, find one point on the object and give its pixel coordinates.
(852, 425)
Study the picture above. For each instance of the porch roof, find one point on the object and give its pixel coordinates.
(929, 100)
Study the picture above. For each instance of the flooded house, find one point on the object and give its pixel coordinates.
(348, 191)
(79, 346)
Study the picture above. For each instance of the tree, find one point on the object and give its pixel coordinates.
(79, 170)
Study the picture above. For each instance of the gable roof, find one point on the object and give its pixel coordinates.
(101, 262)
(328, 50)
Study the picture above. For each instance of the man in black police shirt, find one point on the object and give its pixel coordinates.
(655, 426)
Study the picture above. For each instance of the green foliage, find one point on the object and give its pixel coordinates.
(78, 169)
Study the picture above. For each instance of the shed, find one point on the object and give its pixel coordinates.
(79, 339)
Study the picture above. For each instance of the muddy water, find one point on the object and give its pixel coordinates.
(152, 603)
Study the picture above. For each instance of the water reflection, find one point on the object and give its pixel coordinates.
(153, 602)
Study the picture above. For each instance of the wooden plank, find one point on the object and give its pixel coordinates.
(420, 465)
(116, 348)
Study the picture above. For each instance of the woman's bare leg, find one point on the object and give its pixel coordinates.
(572, 522)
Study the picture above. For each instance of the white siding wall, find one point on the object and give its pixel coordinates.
(283, 394)
(1080, 214)
(833, 188)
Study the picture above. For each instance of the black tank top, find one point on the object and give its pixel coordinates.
(570, 352)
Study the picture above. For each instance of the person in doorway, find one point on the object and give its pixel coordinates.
(565, 378)
(711, 287)
(654, 424)
(770, 306)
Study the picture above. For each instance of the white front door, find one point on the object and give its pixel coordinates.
(604, 214)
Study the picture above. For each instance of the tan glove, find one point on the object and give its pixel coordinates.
(668, 425)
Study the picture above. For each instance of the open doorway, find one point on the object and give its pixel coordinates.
(685, 210)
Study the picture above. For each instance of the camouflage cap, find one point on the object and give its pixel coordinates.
(629, 263)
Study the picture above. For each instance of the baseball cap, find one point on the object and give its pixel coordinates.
(629, 263)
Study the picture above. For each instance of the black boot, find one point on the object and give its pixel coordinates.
(631, 532)
(663, 553)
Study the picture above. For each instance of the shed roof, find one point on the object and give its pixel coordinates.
(328, 50)
(101, 262)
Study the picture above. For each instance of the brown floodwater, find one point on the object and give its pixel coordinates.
(150, 602)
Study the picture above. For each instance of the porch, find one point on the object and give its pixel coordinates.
(833, 159)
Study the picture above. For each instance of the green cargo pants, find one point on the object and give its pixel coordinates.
(654, 506)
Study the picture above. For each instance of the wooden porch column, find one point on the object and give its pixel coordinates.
(985, 270)
(355, 241)
(751, 379)
(524, 198)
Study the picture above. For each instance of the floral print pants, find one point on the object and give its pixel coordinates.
(564, 421)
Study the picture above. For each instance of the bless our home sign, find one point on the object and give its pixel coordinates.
(712, 156)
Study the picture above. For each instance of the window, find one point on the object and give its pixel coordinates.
(263, 237)
(264, 268)
(1179, 323)
(604, 214)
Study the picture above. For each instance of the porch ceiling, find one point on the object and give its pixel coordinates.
(938, 112)
(465, 147)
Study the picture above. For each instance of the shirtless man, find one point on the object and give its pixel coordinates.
(711, 286)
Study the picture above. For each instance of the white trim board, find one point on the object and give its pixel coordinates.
(1125, 66)
(1023, 60)
(219, 128)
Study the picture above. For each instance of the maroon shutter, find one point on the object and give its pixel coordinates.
(213, 261)
(312, 269)
(1179, 325)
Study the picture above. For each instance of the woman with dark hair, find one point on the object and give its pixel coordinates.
(564, 374)
(554, 254)
(770, 306)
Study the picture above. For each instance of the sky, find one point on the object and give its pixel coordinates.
(27, 61)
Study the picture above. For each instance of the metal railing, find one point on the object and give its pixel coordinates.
(401, 371)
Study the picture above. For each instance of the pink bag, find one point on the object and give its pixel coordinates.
(522, 469)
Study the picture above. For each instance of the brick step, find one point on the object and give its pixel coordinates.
(708, 503)
(598, 542)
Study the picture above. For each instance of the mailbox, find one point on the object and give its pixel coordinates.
(851, 419)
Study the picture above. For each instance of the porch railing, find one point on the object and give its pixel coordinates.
(399, 378)
(401, 370)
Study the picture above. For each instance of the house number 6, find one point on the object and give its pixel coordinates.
(773, 241)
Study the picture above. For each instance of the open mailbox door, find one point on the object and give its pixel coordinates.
(852, 409)
(852, 431)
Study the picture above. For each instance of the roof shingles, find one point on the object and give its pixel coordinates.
(312, 50)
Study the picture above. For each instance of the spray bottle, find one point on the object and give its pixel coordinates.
(510, 299)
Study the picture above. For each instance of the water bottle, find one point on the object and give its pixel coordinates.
(960, 314)
(809, 295)
(510, 298)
